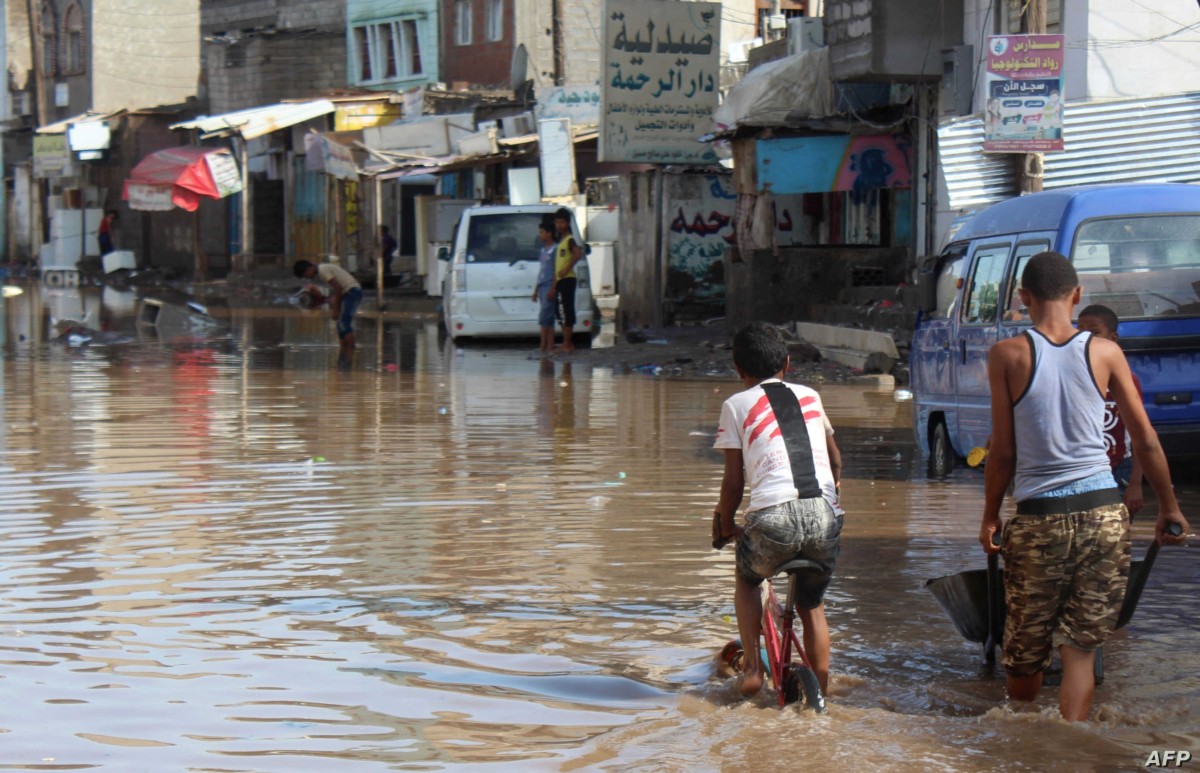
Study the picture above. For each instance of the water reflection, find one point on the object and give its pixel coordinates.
(219, 551)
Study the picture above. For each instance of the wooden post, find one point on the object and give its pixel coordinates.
(247, 236)
(377, 187)
(201, 264)
(1030, 165)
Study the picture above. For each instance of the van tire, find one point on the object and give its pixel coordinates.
(941, 453)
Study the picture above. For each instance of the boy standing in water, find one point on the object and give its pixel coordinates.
(1066, 552)
(1102, 322)
(543, 292)
(569, 253)
(776, 439)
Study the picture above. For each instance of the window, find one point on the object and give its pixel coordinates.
(504, 238)
(387, 51)
(947, 284)
(983, 294)
(1015, 311)
(48, 32)
(73, 26)
(462, 22)
(1140, 267)
(410, 45)
(362, 44)
(386, 37)
(495, 19)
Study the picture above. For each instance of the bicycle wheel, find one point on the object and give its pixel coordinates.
(813, 697)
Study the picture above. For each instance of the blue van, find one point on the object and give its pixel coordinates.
(1137, 251)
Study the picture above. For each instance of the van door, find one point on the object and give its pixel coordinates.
(978, 329)
(931, 359)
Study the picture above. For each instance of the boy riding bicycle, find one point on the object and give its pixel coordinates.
(777, 440)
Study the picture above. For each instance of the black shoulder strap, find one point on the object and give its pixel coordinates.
(790, 418)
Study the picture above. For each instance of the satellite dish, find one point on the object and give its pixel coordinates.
(520, 67)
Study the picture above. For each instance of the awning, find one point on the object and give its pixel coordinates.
(60, 127)
(258, 121)
(179, 177)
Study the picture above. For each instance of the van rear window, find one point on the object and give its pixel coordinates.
(1140, 267)
(504, 237)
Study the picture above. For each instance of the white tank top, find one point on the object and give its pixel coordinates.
(1058, 422)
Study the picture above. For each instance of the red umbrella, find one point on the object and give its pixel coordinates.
(179, 177)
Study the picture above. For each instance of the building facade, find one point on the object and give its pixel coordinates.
(259, 52)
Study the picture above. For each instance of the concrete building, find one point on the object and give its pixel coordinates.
(258, 52)
(66, 58)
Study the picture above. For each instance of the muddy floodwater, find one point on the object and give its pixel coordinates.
(219, 550)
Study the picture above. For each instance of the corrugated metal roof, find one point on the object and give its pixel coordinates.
(1155, 139)
(972, 176)
(258, 121)
(1134, 140)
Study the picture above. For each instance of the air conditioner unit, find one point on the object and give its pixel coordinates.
(776, 21)
(804, 33)
(518, 125)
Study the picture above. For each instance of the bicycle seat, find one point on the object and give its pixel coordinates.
(803, 565)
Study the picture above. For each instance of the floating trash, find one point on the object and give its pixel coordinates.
(443, 411)
(599, 501)
(902, 395)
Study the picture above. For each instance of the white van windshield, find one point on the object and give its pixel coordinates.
(504, 237)
(1140, 267)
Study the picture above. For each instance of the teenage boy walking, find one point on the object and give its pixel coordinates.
(1066, 552)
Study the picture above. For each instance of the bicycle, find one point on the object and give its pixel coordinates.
(791, 679)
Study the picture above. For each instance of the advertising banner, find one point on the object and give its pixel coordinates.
(660, 78)
(1023, 113)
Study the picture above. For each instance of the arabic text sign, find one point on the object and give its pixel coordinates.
(581, 104)
(149, 198)
(225, 174)
(1024, 93)
(659, 84)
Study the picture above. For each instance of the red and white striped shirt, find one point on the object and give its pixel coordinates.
(748, 423)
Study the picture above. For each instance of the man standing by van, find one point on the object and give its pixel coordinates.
(569, 253)
(1066, 552)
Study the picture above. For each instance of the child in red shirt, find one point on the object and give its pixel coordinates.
(1102, 322)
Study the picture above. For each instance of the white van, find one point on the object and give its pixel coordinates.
(492, 272)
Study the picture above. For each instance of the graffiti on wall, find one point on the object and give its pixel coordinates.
(700, 230)
(857, 164)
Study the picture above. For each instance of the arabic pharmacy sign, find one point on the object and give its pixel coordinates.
(1024, 94)
(658, 89)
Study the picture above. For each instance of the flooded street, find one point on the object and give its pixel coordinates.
(221, 551)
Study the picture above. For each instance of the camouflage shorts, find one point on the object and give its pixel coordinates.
(1064, 581)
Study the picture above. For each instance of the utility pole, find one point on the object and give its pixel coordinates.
(33, 13)
(1030, 166)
